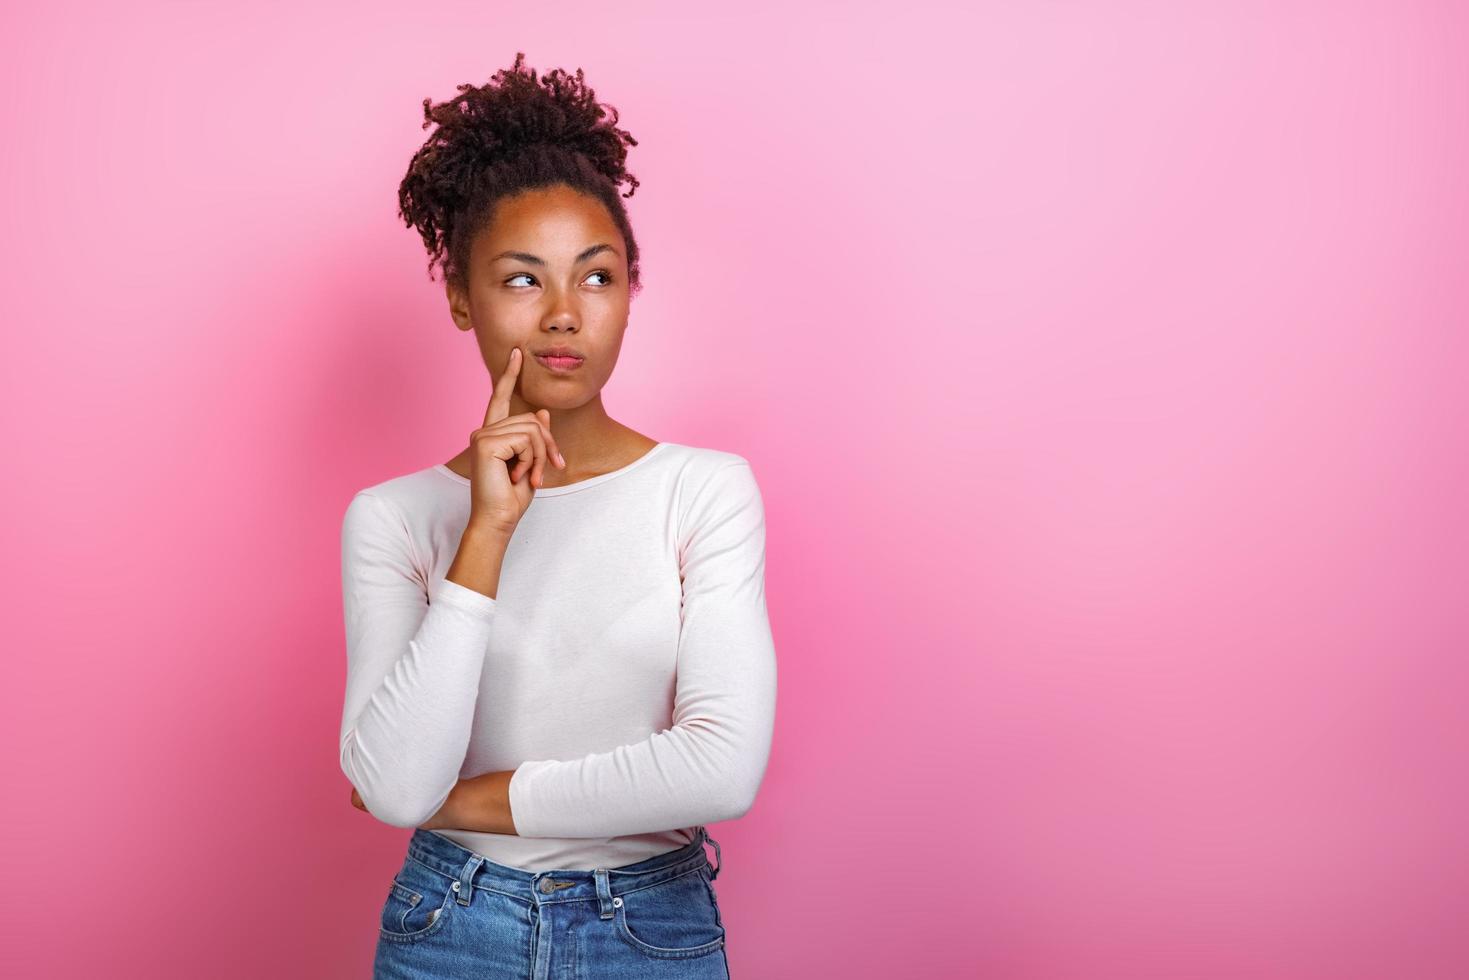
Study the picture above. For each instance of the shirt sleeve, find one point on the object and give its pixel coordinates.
(413, 668)
(708, 766)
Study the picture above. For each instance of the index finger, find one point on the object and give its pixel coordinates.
(499, 407)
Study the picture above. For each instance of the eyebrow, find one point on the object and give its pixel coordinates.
(581, 257)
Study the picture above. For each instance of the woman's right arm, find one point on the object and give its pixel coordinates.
(413, 660)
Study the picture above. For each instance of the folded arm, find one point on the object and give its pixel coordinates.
(413, 669)
(708, 766)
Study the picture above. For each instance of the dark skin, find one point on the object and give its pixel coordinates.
(515, 302)
(566, 283)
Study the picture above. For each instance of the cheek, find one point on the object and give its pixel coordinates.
(609, 356)
(506, 308)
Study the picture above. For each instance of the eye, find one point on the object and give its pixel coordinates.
(604, 274)
(519, 275)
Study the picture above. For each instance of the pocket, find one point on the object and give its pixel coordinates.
(418, 902)
(674, 919)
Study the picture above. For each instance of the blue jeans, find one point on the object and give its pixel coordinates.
(453, 913)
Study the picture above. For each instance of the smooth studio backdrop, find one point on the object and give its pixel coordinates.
(1102, 366)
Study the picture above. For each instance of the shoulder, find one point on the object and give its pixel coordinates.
(701, 463)
(388, 524)
(702, 471)
(711, 487)
(394, 502)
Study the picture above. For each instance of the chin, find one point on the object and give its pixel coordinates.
(566, 398)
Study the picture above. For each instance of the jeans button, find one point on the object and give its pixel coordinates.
(546, 886)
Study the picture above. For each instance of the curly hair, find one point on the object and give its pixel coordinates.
(512, 134)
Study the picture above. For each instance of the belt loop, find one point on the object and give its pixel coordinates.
(465, 885)
(604, 893)
(718, 857)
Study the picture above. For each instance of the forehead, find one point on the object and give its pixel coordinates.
(555, 223)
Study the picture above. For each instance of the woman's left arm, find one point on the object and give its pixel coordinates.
(708, 766)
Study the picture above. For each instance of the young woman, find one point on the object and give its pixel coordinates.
(560, 666)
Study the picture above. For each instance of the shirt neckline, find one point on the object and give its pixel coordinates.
(591, 481)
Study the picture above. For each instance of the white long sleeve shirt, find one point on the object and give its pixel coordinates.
(625, 670)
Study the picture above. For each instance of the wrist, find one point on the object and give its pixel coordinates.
(485, 802)
(487, 530)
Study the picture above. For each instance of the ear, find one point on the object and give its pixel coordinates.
(458, 306)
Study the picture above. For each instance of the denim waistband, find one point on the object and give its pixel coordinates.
(470, 870)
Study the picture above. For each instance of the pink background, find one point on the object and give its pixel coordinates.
(1103, 367)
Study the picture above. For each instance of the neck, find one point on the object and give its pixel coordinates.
(586, 435)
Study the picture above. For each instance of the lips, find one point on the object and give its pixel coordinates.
(559, 363)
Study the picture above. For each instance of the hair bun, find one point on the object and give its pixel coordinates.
(517, 130)
(516, 111)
